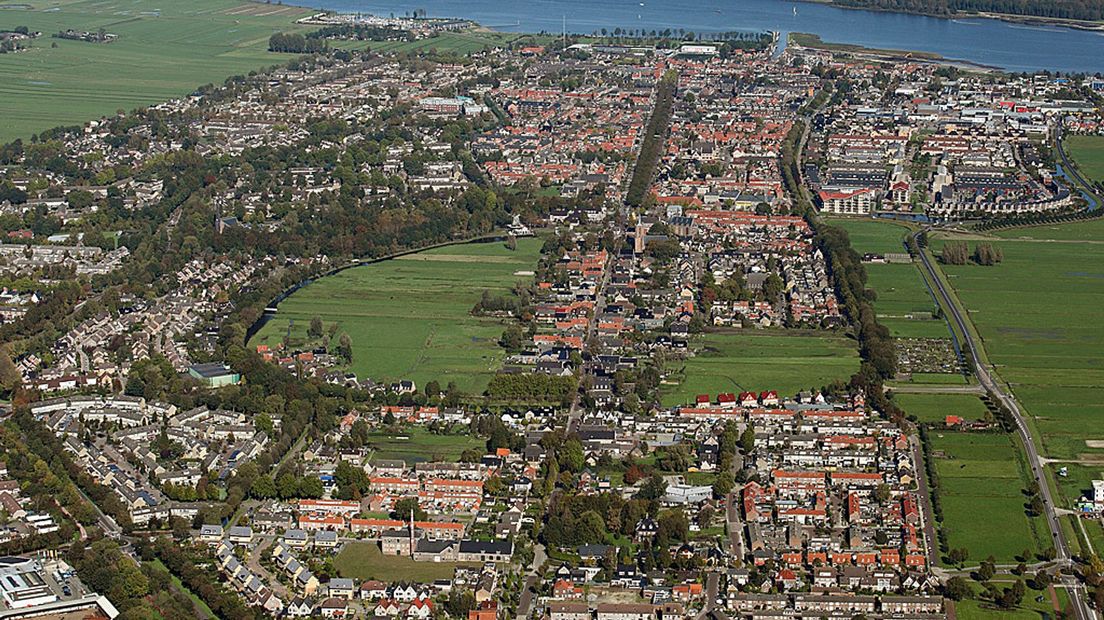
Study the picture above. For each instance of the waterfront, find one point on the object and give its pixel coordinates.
(1015, 47)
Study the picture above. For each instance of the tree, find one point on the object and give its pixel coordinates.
(653, 488)
(957, 589)
(345, 347)
(264, 487)
(316, 328)
(402, 509)
(722, 486)
(747, 440)
(955, 253)
(986, 571)
(958, 555)
(1012, 596)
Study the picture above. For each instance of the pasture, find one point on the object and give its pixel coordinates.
(936, 407)
(755, 361)
(981, 482)
(1038, 316)
(165, 49)
(410, 317)
(1088, 152)
(904, 304)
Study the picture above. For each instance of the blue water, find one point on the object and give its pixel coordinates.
(990, 42)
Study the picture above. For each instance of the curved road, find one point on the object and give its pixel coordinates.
(985, 378)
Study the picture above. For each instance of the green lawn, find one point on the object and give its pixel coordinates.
(982, 477)
(755, 361)
(416, 444)
(165, 49)
(1035, 604)
(409, 318)
(1038, 313)
(1088, 152)
(936, 407)
(364, 560)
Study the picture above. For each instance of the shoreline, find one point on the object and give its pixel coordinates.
(1010, 18)
(813, 41)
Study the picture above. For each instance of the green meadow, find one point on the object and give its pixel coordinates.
(415, 445)
(165, 49)
(364, 560)
(900, 287)
(755, 361)
(936, 407)
(981, 482)
(410, 317)
(1088, 152)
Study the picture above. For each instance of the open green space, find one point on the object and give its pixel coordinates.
(903, 304)
(1036, 605)
(416, 444)
(464, 42)
(165, 49)
(936, 407)
(755, 361)
(1088, 152)
(981, 481)
(1038, 316)
(410, 317)
(364, 560)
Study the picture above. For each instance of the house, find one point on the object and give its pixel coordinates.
(299, 607)
(625, 611)
(911, 604)
(325, 539)
(341, 587)
(333, 608)
(568, 610)
(241, 535)
(420, 608)
(486, 610)
(214, 375)
(210, 534)
(372, 590)
(387, 608)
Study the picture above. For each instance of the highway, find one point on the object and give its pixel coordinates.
(985, 377)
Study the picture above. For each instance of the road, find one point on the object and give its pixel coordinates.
(925, 501)
(985, 377)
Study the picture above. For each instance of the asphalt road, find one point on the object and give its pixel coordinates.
(985, 378)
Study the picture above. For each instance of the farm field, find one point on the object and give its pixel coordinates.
(1037, 313)
(364, 560)
(1088, 152)
(772, 360)
(981, 482)
(165, 49)
(409, 318)
(900, 286)
(416, 444)
(936, 407)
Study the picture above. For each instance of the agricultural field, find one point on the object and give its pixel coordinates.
(1038, 315)
(936, 407)
(416, 445)
(755, 361)
(981, 481)
(364, 560)
(1088, 152)
(410, 317)
(903, 299)
(165, 49)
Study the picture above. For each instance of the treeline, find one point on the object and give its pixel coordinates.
(202, 583)
(362, 32)
(295, 43)
(136, 591)
(654, 136)
(1061, 9)
(958, 253)
(532, 387)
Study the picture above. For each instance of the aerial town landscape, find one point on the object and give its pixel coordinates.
(366, 313)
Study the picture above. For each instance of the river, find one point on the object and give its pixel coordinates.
(1014, 47)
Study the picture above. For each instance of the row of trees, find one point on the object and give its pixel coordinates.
(1062, 9)
(655, 133)
(296, 43)
(958, 253)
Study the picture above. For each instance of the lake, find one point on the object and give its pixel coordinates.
(1014, 47)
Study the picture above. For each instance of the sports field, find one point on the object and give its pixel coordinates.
(1088, 152)
(364, 560)
(755, 361)
(936, 407)
(165, 49)
(409, 318)
(904, 304)
(982, 477)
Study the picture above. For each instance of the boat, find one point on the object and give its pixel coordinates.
(795, 10)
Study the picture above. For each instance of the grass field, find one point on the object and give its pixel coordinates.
(900, 287)
(1038, 315)
(165, 49)
(455, 42)
(981, 482)
(936, 407)
(364, 560)
(1036, 605)
(420, 445)
(409, 318)
(756, 361)
(1088, 152)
